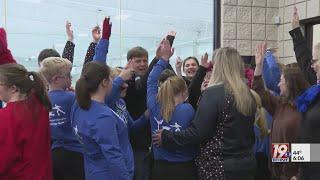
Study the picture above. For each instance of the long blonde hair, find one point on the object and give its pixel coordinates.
(260, 119)
(229, 70)
(168, 90)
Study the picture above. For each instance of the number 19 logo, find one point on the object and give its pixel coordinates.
(280, 152)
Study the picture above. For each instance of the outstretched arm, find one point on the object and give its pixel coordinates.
(195, 85)
(68, 51)
(303, 53)
(103, 45)
(96, 35)
(165, 52)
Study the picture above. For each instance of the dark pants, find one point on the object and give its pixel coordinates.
(262, 169)
(310, 171)
(67, 165)
(164, 170)
(142, 165)
(239, 175)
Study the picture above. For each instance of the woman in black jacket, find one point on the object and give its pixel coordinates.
(223, 124)
(309, 102)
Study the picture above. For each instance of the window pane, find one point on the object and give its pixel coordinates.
(33, 25)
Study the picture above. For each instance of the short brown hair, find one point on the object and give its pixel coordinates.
(47, 53)
(137, 52)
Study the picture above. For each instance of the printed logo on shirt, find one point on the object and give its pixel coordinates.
(119, 117)
(75, 130)
(176, 127)
(57, 116)
(121, 111)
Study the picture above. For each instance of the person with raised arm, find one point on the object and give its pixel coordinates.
(286, 117)
(136, 104)
(305, 57)
(119, 86)
(308, 103)
(102, 47)
(96, 35)
(194, 87)
(68, 51)
(102, 132)
(168, 110)
(225, 116)
(190, 66)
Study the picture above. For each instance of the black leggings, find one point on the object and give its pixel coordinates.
(164, 170)
(67, 165)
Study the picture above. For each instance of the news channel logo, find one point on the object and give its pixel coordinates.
(280, 152)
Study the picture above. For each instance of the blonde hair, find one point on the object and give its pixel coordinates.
(260, 119)
(115, 72)
(168, 90)
(229, 69)
(53, 66)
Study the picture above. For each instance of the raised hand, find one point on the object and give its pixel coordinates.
(127, 72)
(96, 34)
(156, 138)
(179, 63)
(172, 33)
(204, 61)
(165, 51)
(259, 57)
(106, 31)
(260, 51)
(69, 31)
(295, 18)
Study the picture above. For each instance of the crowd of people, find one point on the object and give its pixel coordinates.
(146, 121)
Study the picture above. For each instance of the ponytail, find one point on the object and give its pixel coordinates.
(168, 90)
(82, 94)
(28, 83)
(260, 119)
(39, 88)
(92, 75)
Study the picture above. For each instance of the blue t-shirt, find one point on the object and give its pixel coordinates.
(104, 136)
(61, 131)
(180, 119)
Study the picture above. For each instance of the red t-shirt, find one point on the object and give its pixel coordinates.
(25, 141)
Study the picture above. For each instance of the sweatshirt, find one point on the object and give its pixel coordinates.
(61, 131)
(118, 105)
(104, 136)
(285, 126)
(114, 101)
(25, 141)
(181, 118)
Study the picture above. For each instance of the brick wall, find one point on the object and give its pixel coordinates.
(245, 23)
